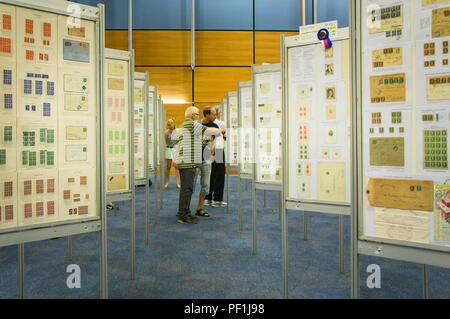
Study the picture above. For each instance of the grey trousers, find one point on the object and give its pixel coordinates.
(187, 179)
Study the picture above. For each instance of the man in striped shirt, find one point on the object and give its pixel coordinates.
(188, 157)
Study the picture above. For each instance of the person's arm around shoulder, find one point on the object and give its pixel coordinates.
(214, 131)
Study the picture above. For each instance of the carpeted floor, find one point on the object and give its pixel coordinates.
(212, 259)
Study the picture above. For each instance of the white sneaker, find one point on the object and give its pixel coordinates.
(207, 202)
(215, 204)
(223, 204)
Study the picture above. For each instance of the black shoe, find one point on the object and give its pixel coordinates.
(187, 221)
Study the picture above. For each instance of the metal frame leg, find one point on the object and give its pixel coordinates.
(228, 188)
(156, 197)
(254, 218)
(265, 202)
(426, 277)
(240, 203)
(69, 248)
(279, 206)
(20, 270)
(341, 244)
(133, 234)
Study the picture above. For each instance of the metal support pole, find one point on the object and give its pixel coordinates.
(426, 278)
(130, 25)
(354, 8)
(228, 188)
(314, 11)
(284, 244)
(240, 201)
(156, 196)
(192, 34)
(147, 207)
(20, 271)
(102, 206)
(303, 13)
(246, 185)
(265, 202)
(133, 240)
(162, 181)
(279, 205)
(341, 244)
(254, 216)
(69, 248)
(162, 160)
(147, 221)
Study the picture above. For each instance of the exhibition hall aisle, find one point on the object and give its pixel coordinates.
(211, 259)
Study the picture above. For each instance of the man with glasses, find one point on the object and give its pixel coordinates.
(188, 157)
(208, 148)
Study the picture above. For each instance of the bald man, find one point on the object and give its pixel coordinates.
(188, 157)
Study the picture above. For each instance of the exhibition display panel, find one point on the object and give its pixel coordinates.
(267, 126)
(153, 144)
(245, 149)
(52, 143)
(401, 80)
(119, 121)
(245, 138)
(140, 126)
(317, 142)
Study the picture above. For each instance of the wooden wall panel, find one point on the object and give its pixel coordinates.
(212, 83)
(156, 47)
(116, 39)
(267, 46)
(223, 48)
(176, 112)
(174, 83)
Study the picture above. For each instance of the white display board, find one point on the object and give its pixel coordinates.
(245, 110)
(140, 112)
(318, 118)
(233, 127)
(48, 118)
(267, 93)
(224, 109)
(152, 141)
(117, 124)
(406, 121)
(224, 118)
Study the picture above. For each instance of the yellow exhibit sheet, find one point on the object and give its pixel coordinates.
(386, 18)
(440, 22)
(409, 225)
(388, 88)
(331, 182)
(426, 3)
(387, 151)
(387, 57)
(400, 193)
(438, 87)
(116, 84)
